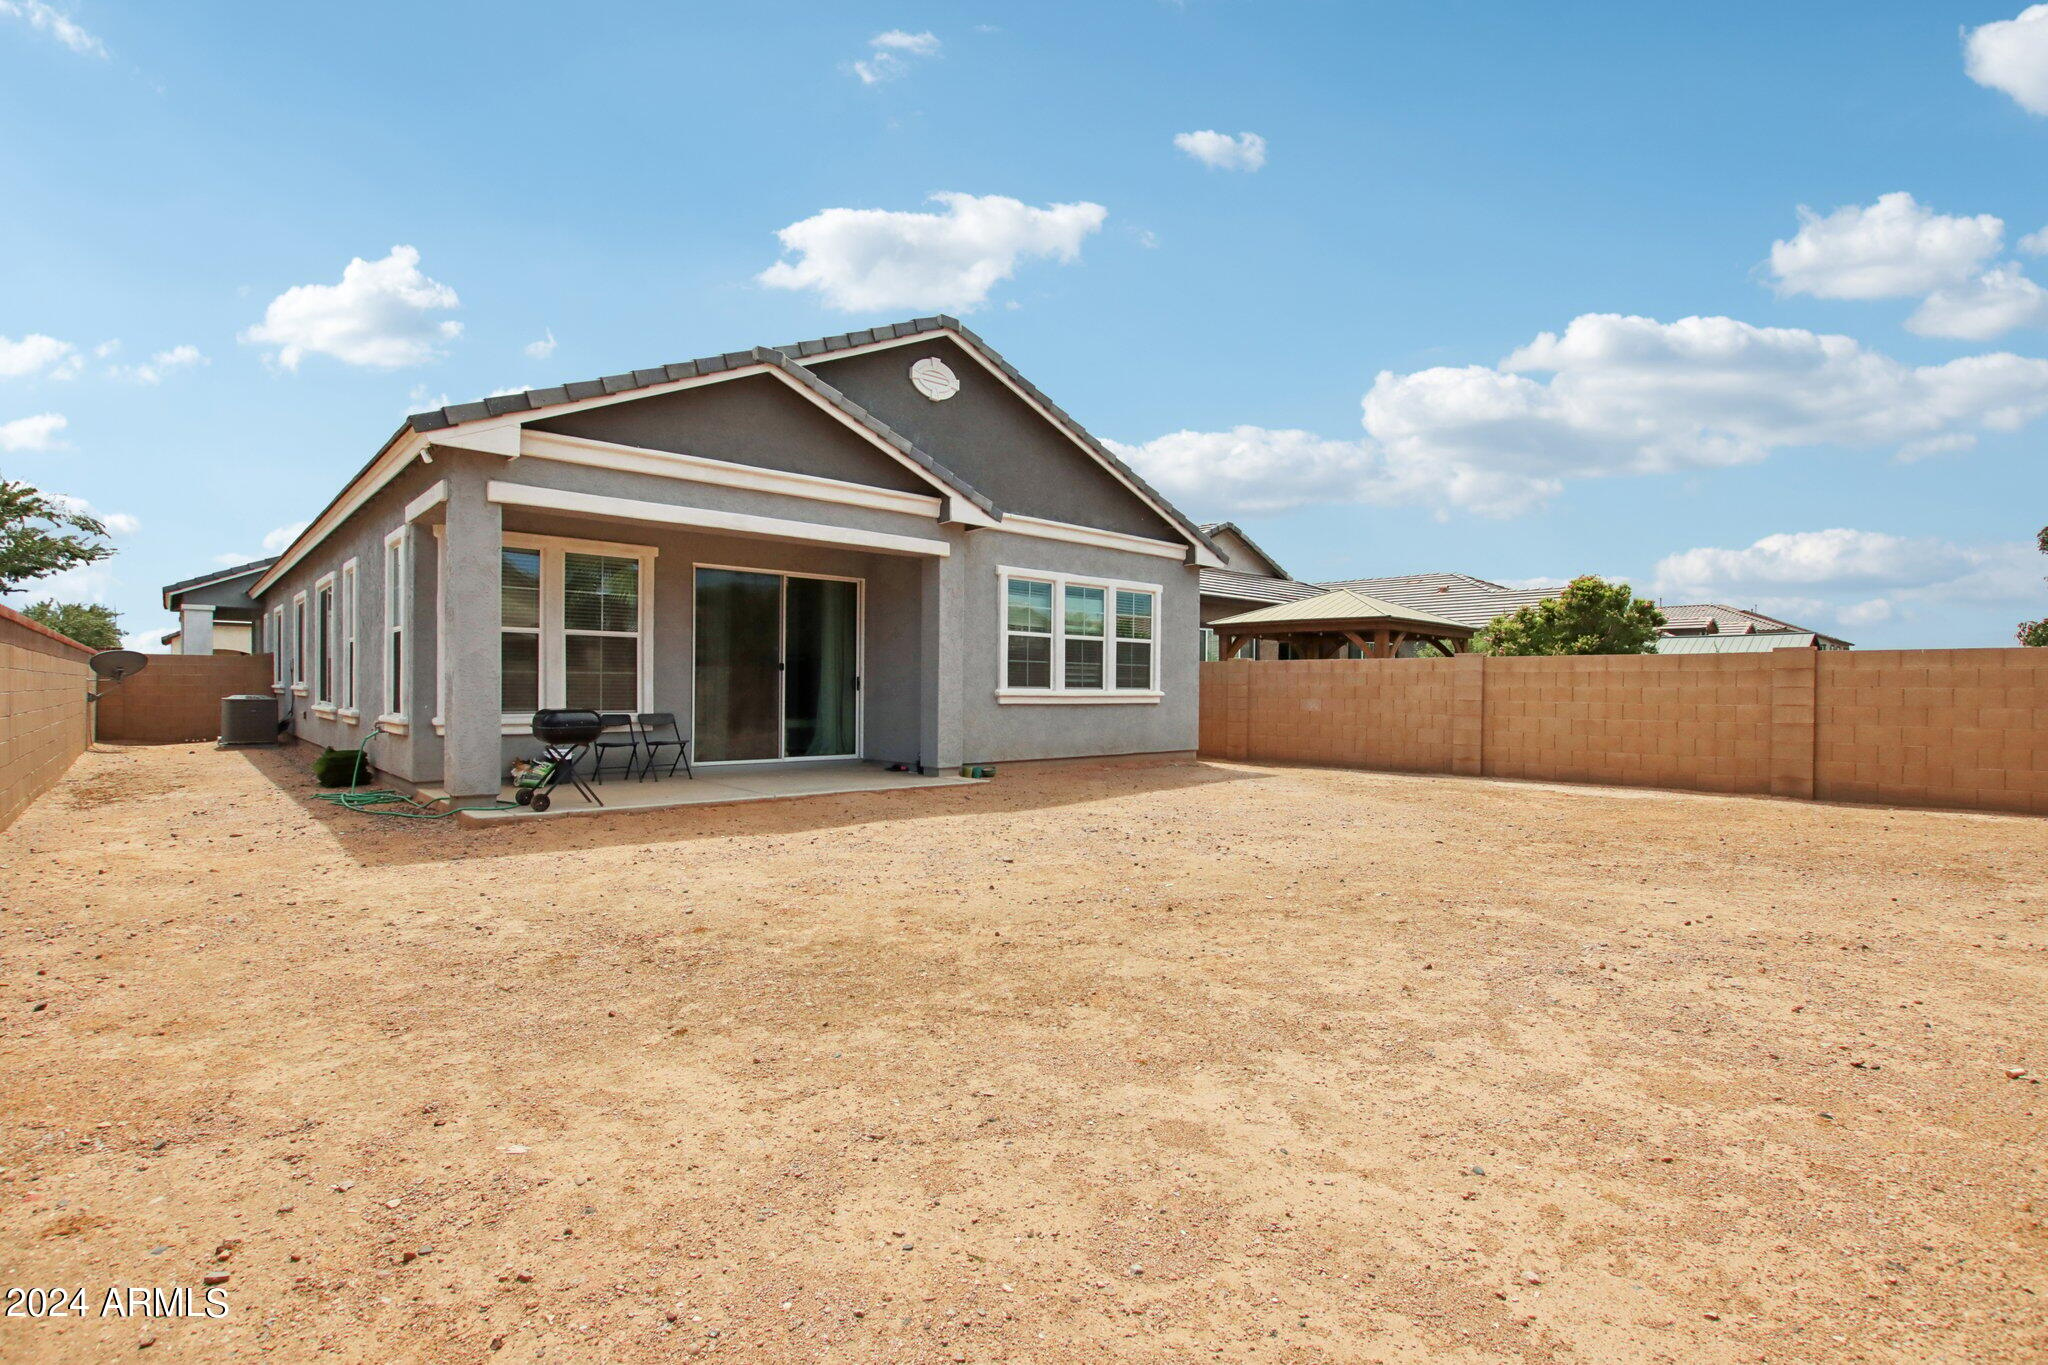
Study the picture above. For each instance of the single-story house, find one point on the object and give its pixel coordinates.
(215, 613)
(886, 544)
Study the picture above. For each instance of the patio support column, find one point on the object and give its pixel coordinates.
(943, 660)
(473, 767)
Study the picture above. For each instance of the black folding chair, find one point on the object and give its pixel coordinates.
(618, 733)
(658, 731)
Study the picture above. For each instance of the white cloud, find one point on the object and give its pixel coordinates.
(891, 54)
(275, 541)
(147, 641)
(36, 353)
(45, 18)
(542, 349)
(866, 260)
(1221, 151)
(1610, 396)
(30, 434)
(1874, 612)
(1249, 470)
(423, 399)
(1989, 306)
(379, 315)
(162, 363)
(2035, 243)
(1859, 577)
(117, 523)
(2012, 55)
(1894, 248)
(232, 558)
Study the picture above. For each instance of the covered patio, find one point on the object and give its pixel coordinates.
(1335, 623)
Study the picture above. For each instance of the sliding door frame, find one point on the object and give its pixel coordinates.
(860, 666)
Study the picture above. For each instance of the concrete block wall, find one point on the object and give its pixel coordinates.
(1956, 728)
(1650, 721)
(45, 720)
(176, 699)
(1951, 727)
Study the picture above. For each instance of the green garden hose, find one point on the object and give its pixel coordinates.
(384, 801)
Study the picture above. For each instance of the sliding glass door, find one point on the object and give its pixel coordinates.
(777, 666)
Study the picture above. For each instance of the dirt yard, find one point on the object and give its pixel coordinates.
(1141, 1062)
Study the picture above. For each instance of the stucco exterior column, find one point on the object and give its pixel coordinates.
(196, 623)
(942, 660)
(470, 694)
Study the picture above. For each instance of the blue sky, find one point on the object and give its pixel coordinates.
(1432, 314)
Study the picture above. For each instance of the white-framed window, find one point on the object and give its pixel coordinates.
(1067, 637)
(397, 601)
(349, 610)
(1212, 646)
(323, 642)
(279, 665)
(301, 628)
(576, 625)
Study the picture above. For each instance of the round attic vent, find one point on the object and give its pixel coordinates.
(933, 379)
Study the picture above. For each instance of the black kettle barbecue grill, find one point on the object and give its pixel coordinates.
(565, 737)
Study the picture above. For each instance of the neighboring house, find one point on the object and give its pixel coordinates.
(215, 613)
(1471, 602)
(1711, 618)
(886, 544)
(1251, 580)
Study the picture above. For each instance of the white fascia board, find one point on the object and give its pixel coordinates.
(1202, 555)
(704, 519)
(498, 437)
(545, 445)
(1089, 535)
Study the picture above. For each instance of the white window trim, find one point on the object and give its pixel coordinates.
(299, 638)
(348, 611)
(1059, 694)
(278, 662)
(554, 665)
(397, 607)
(324, 626)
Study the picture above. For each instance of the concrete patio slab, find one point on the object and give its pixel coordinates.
(719, 784)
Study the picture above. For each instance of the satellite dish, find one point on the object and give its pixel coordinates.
(116, 664)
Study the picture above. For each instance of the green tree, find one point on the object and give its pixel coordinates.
(2034, 634)
(1591, 616)
(87, 623)
(40, 535)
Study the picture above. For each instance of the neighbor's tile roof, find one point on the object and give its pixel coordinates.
(1252, 587)
(1339, 604)
(1761, 643)
(1211, 528)
(1456, 597)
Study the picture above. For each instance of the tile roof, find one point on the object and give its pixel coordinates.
(1212, 528)
(789, 358)
(1456, 597)
(1338, 604)
(1252, 587)
(253, 567)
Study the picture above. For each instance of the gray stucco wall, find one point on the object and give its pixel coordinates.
(991, 438)
(758, 421)
(996, 732)
(414, 756)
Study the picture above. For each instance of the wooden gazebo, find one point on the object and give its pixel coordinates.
(1323, 627)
